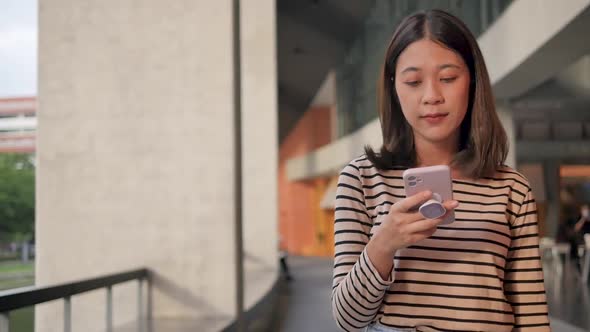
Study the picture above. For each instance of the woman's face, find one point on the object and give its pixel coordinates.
(432, 83)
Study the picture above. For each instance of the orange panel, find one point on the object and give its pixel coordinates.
(298, 216)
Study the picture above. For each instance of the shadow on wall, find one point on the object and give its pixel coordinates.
(181, 295)
(261, 317)
(259, 263)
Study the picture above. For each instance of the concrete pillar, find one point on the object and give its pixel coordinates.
(260, 147)
(553, 187)
(505, 115)
(135, 155)
(535, 173)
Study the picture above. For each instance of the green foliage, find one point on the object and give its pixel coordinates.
(17, 197)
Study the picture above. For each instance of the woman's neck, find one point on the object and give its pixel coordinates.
(443, 153)
(430, 154)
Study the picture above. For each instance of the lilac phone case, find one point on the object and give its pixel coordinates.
(437, 179)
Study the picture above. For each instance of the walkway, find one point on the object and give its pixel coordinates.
(308, 296)
(308, 305)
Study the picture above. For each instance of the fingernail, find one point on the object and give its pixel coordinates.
(427, 193)
(454, 204)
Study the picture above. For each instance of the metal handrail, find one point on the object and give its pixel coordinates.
(29, 296)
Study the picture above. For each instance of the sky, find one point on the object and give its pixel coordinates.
(18, 48)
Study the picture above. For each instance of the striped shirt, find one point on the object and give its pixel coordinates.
(480, 273)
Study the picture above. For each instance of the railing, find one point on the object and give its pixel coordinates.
(30, 296)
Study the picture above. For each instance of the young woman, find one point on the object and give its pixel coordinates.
(395, 270)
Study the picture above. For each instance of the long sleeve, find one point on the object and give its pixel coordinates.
(523, 283)
(358, 289)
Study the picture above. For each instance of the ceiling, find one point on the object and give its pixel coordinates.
(313, 37)
(559, 108)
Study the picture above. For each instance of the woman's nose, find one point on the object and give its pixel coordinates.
(432, 95)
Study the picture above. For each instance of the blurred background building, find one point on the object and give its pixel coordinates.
(17, 125)
(539, 69)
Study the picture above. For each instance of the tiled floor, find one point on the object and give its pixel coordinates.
(309, 308)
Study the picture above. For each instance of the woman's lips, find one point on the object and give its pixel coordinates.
(435, 118)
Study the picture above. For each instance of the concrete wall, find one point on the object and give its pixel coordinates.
(532, 41)
(135, 154)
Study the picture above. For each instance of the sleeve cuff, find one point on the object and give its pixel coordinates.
(374, 274)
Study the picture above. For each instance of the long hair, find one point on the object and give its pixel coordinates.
(483, 145)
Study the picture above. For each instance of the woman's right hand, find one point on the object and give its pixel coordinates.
(404, 226)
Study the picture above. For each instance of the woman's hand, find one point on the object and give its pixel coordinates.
(402, 227)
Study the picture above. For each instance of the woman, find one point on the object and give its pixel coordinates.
(395, 270)
(582, 225)
(578, 226)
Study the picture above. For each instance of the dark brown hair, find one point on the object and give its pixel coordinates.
(483, 143)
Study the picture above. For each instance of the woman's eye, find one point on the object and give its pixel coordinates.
(448, 79)
(412, 83)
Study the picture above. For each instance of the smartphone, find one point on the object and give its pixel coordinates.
(437, 179)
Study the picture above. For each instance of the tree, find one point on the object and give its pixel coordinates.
(17, 196)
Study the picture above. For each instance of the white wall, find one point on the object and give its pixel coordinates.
(135, 153)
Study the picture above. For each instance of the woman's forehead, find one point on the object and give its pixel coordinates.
(426, 54)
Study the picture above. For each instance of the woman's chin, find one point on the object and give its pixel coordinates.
(438, 137)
